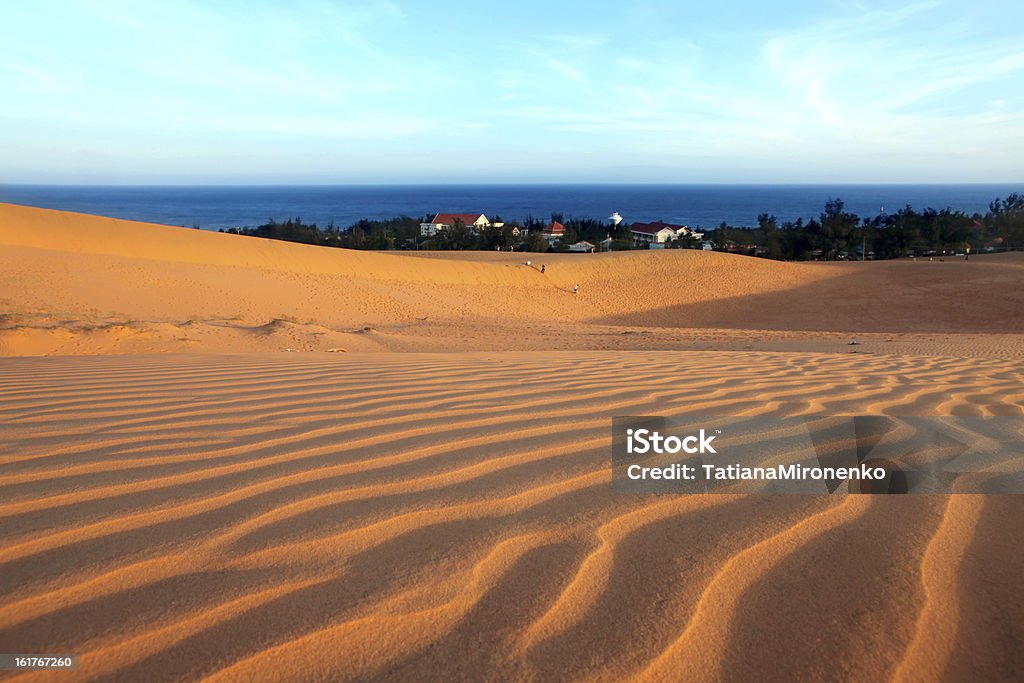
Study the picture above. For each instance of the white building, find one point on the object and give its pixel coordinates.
(443, 221)
(649, 234)
(582, 246)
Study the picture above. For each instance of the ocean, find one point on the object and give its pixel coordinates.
(699, 206)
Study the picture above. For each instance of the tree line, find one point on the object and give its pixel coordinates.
(834, 234)
(838, 234)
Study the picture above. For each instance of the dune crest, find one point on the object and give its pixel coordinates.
(78, 284)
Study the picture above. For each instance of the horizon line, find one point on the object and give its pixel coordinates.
(520, 184)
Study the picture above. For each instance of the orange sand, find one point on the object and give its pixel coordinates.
(174, 512)
(76, 284)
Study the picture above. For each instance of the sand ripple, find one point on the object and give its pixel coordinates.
(450, 517)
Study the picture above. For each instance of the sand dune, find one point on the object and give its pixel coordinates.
(395, 513)
(76, 284)
(403, 516)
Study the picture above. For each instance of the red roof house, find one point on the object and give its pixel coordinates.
(443, 221)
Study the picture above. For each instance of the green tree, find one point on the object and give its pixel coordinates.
(535, 242)
(837, 227)
(623, 240)
(770, 239)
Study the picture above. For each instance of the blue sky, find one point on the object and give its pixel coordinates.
(318, 91)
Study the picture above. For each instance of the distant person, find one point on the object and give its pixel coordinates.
(967, 253)
(529, 263)
(575, 289)
(542, 268)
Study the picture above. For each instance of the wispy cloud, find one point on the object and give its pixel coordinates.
(551, 60)
(867, 86)
(854, 80)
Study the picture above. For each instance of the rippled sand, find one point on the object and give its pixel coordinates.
(404, 516)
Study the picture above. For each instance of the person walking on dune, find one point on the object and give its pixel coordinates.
(543, 268)
(575, 289)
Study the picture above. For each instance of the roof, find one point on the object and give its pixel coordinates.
(655, 227)
(555, 228)
(450, 218)
(584, 243)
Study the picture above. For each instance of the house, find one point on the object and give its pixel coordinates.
(648, 234)
(443, 221)
(554, 232)
(582, 246)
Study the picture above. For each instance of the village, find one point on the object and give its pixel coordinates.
(655, 235)
(834, 235)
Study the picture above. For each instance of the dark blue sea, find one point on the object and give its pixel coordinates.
(694, 205)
